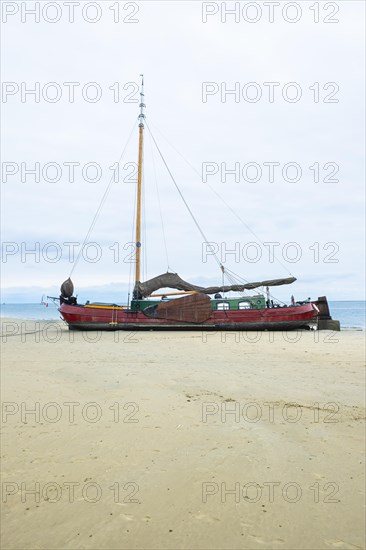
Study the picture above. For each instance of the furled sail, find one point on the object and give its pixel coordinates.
(172, 280)
(67, 288)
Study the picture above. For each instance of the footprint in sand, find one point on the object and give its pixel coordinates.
(127, 517)
(206, 518)
(342, 544)
(268, 543)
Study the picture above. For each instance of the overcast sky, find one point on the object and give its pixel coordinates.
(310, 133)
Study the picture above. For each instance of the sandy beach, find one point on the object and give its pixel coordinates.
(181, 440)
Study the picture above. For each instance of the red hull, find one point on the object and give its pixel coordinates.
(98, 318)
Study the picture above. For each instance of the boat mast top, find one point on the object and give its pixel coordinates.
(142, 104)
(139, 182)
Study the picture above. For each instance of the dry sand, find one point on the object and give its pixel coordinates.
(148, 420)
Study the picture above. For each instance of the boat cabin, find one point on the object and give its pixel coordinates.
(217, 304)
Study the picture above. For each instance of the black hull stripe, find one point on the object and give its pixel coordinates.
(283, 325)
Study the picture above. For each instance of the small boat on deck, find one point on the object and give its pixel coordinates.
(187, 306)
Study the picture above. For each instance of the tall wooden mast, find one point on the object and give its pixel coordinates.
(139, 182)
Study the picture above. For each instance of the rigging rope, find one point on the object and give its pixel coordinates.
(183, 199)
(223, 200)
(159, 204)
(233, 276)
(133, 225)
(102, 201)
(144, 236)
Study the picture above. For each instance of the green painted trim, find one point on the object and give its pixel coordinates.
(256, 302)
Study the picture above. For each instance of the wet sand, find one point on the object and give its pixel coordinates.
(182, 440)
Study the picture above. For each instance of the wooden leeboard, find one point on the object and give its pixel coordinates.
(195, 308)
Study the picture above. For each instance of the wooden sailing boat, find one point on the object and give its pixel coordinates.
(192, 307)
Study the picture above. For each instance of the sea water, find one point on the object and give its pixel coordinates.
(32, 312)
(351, 314)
